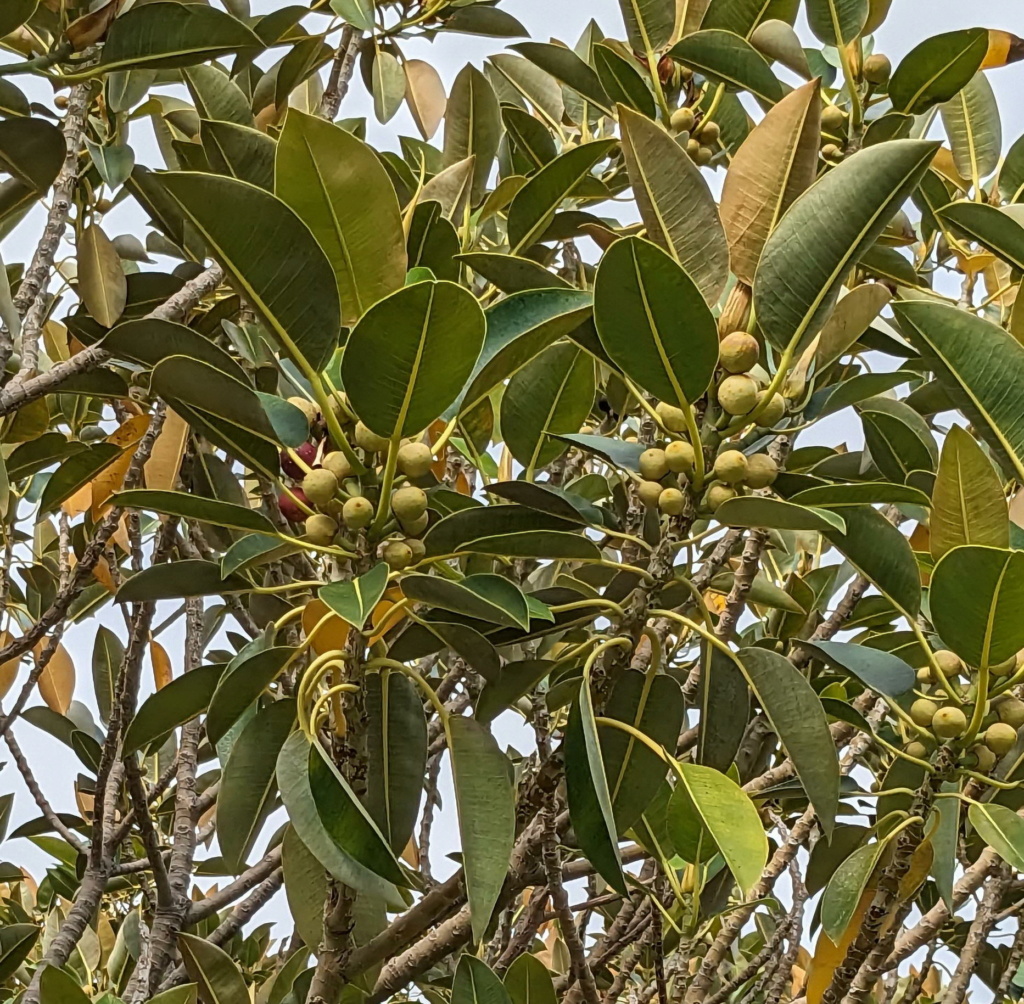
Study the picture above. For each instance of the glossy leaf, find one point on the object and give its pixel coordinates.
(486, 811)
(898, 438)
(743, 16)
(825, 231)
(242, 682)
(219, 978)
(752, 510)
(975, 599)
(180, 701)
(354, 600)
(1000, 828)
(936, 69)
(882, 671)
(677, 208)
(472, 125)
(724, 57)
(846, 888)
(971, 119)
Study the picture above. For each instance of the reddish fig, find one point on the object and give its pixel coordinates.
(290, 508)
(306, 453)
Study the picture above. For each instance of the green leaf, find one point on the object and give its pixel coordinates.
(31, 151)
(535, 204)
(845, 889)
(484, 597)
(590, 803)
(57, 987)
(981, 368)
(882, 554)
(867, 493)
(730, 817)
(338, 187)
(184, 698)
(945, 840)
(305, 887)
(897, 437)
(227, 514)
(527, 81)
(518, 328)
(649, 23)
(486, 809)
(565, 66)
(107, 656)
(528, 981)
(542, 544)
(410, 355)
(724, 57)
(346, 820)
(971, 120)
(514, 680)
(837, 22)
(297, 795)
(512, 274)
(295, 295)
(248, 785)
(975, 601)
(472, 126)
(743, 16)
(882, 671)
(101, 281)
(724, 709)
(550, 395)
(239, 152)
(161, 35)
(1002, 829)
(617, 452)
(76, 472)
(396, 754)
(219, 978)
(753, 510)
(797, 717)
(246, 677)
(997, 229)
(825, 231)
(675, 203)
(1011, 174)
(968, 504)
(178, 580)
(358, 13)
(452, 533)
(774, 164)
(654, 705)
(353, 601)
(546, 497)
(936, 69)
(653, 322)
(216, 96)
(622, 82)
(476, 983)
(15, 14)
(16, 944)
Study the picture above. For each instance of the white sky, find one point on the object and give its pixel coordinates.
(908, 23)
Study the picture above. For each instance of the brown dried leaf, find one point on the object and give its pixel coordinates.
(425, 96)
(57, 681)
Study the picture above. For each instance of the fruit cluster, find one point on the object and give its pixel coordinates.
(700, 138)
(327, 495)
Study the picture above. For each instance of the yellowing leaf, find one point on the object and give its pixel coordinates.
(9, 669)
(1003, 47)
(111, 478)
(161, 469)
(330, 636)
(425, 96)
(57, 681)
(828, 956)
(101, 573)
(101, 280)
(163, 671)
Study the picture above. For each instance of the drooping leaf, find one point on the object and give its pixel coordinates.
(32, 152)
(882, 671)
(975, 599)
(825, 231)
(295, 295)
(724, 709)
(472, 125)
(486, 812)
(675, 203)
(971, 119)
(846, 888)
(340, 190)
(410, 355)
(796, 715)
(653, 322)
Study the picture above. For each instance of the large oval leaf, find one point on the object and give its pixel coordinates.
(971, 119)
(975, 600)
(410, 355)
(296, 294)
(472, 125)
(338, 187)
(882, 671)
(997, 229)
(653, 322)
(935, 69)
(825, 231)
(724, 57)
(837, 22)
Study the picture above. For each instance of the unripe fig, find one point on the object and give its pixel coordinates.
(321, 529)
(671, 417)
(414, 527)
(737, 394)
(831, 152)
(418, 548)
(704, 156)
(1000, 738)
(60, 101)
(397, 554)
(671, 502)
(368, 440)
(986, 758)
(692, 148)
(320, 486)
(717, 494)
(774, 413)
(357, 512)
(924, 676)
(306, 453)
(290, 507)
(877, 69)
(409, 503)
(682, 119)
(731, 467)
(761, 470)
(738, 352)
(648, 492)
(680, 457)
(833, 119)
(916, 749)
(104, 206)
(1004, 668)
(709, 132)
(415, 460)
(1011, 712)
(337, 463)
(923, 711)
(310, 410)
(653, 465)
(949, 723)
(949, 662)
